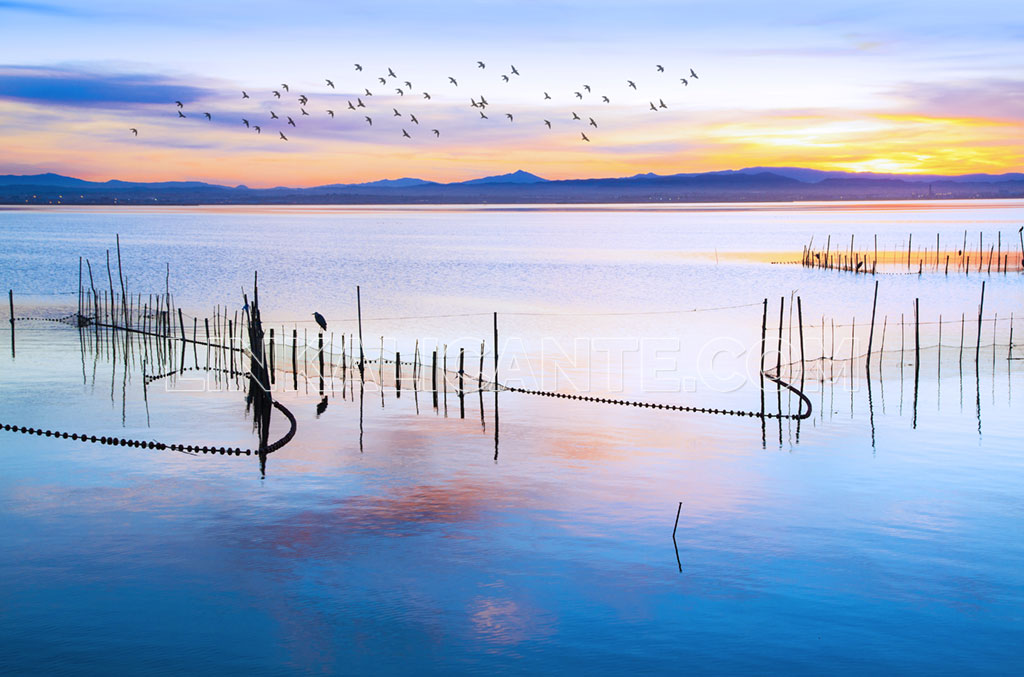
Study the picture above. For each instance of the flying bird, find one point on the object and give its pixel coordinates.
(409, 85)
(244, 95)
(426, 96)
(578, 95)
(547, 96)
(653, 107)
(257, 128)
(350, 106)
(208, 116)
(661, 104)
(584, 137)
(693, 75)
(180, 114)
(504, 77)
(631, 84)
(587, 87)
(437, 132)
(406, 134)
(661, 69)
(391, 74)
(413, 118)
(358, 67)
(548, 123)
(290, 121)
(246, 123)
(482, 116)
(473, 103)
(368, 93)
(400, 92)
(453, 81)
(509, 116)
(369, 121)
(180, 104)
(273, 116)
(277, 94)
(514, 71)
(592, 123)
(320, 320)
(134, 131)
(605, 99)
(283, 137)
(330, 112)
(359, 103)
(303, 100)
(483, 101)
(382, 81)
(304, 111)
(330, 84)
(480, 64)
(574, 116)
(285, 87)
(397, 114)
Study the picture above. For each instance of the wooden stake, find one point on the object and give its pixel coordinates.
(871, 333)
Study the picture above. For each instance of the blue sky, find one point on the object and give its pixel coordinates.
(913, 86)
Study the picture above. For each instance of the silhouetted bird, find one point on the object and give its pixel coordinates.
(514, 71)
(330, 112)
(686, 83)
(406, 134)
(409, 85)
(273, 116)
(257, 128)
(180, 104)
(359, 103)
(509, 116)
(368, 93)
(504, 77)
(369, 121)
(587, 87)
(330, 84)
(480, 64)
(426, 96)
(391, 74)
(134, 131)
(283, 137)
(397, 114)
(413, 118)
(661, 104)
(631, 84)
(350, 106)
(245, 122)
(320, 321)
(244, 95)
(653, 107)
(605, 99)
(437, 132)
(578, 95)
(277, 94)
(592, 123)
(483, 101)
(548, 123)
(382, 81)
(180, 114)
(453, 81)
(574, 116)
(208, 116)
(400, 92)
(290, 121)
(304, 111)
(661, 69)
(303, 100)
(358, 67)
(285, 87)
(546, 96)
(482, 116)
(693, 75)
(584, 137)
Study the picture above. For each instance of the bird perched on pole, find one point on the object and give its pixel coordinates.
(320, 321)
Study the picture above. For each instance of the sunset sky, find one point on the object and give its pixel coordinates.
(934, 87)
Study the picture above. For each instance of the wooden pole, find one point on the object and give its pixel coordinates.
(495, 350)
(433, 372)
(917, 332)
(981, 310)
(871, 333)
(800, 321)
(295, 359)
(10, 300)
(359, 313)
(272, 379)
(120, 277)
(462, 371)
(181, 323)
(320, 350)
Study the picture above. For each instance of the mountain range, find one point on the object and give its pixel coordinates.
(753, 184)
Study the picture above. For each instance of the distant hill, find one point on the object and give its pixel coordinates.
(753, 184)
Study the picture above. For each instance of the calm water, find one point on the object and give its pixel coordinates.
(882, 534)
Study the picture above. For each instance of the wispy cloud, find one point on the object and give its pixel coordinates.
(90, 89)
(40, 8)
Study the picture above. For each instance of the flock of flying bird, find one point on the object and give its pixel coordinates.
(480, 103)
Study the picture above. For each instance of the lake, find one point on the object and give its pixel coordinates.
(390, 536)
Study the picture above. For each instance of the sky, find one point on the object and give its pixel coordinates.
(916, 87)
